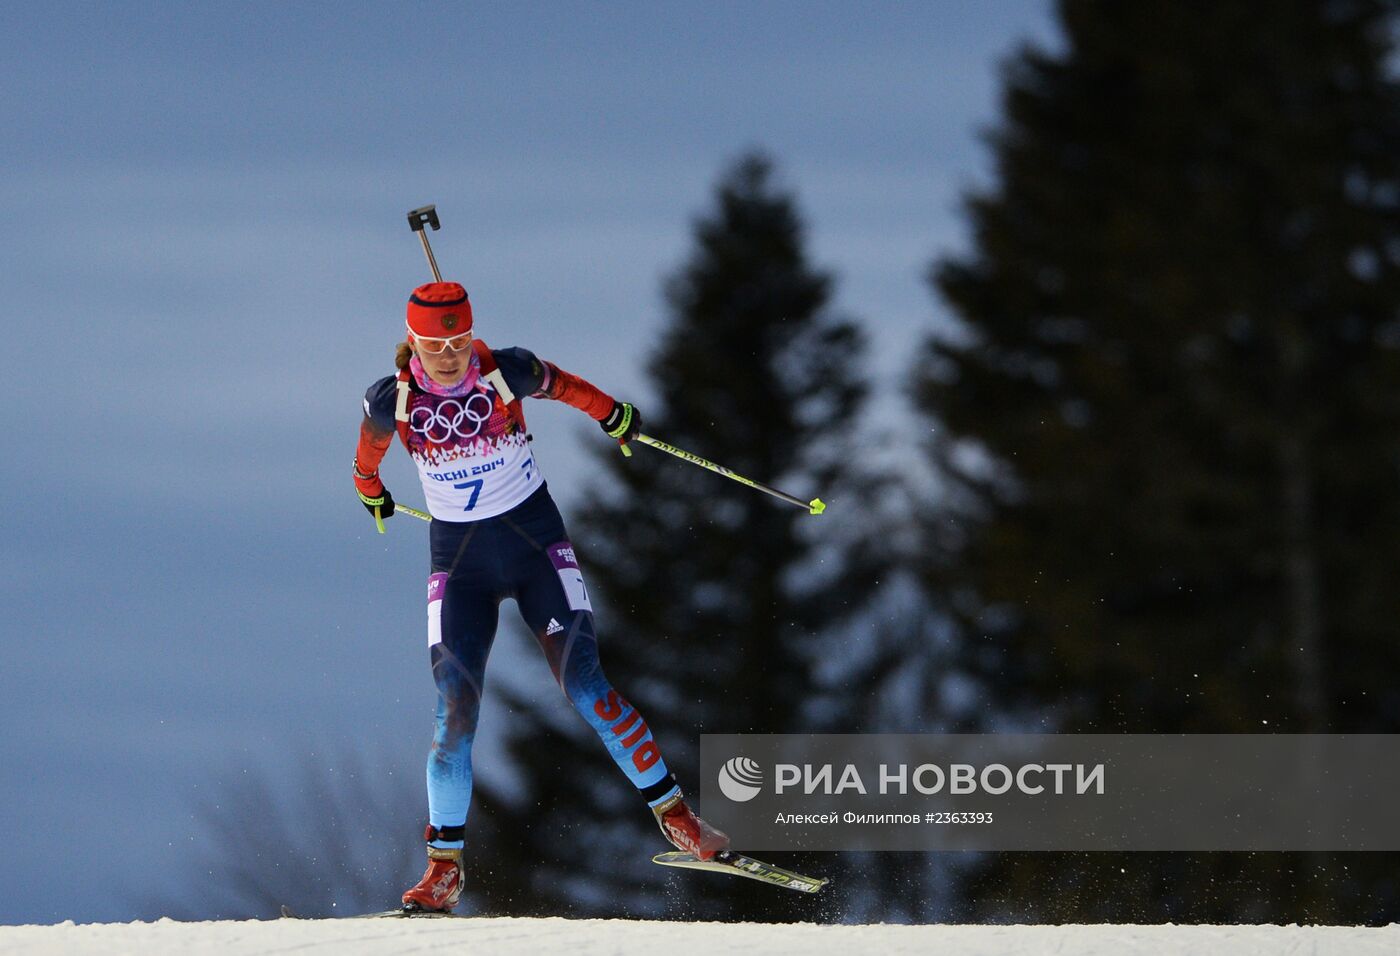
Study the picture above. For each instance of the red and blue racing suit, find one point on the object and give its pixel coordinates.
(496, 534)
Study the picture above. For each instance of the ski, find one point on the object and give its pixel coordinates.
(736, 864)
(400, 913)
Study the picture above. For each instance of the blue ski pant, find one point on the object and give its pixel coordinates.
(523, 554)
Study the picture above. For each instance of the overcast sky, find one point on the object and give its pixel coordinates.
(205, 264)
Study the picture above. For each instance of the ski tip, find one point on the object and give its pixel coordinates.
(817, 506)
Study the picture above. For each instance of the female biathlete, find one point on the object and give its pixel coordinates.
(496, 533)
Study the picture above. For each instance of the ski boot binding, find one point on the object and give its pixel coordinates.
(441, 886)
(686, 831)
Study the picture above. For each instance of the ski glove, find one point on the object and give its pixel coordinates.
(624, 422)
(380, 507)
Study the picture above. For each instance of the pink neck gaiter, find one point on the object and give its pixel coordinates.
(426, 383)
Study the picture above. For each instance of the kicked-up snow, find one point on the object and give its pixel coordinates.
(512, 937)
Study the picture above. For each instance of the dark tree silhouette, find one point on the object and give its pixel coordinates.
(1168, 425)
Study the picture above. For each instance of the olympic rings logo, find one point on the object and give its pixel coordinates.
(449, 417)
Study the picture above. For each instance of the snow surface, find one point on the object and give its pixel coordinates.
(484, 937)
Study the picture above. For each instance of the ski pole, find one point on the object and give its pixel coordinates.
(816, 506)
(399, 509)
(417, 219)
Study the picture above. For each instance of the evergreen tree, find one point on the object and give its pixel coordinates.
(718, 607)
(1168, 424)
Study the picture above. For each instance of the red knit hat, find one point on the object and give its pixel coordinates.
(439, 310)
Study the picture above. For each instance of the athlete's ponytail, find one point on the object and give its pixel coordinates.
(403, 352)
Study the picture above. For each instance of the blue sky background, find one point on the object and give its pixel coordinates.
(205, 263)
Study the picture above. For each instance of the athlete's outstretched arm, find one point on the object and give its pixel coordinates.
(573, 390)
(376, 434)
(541, 379)
(369, 452)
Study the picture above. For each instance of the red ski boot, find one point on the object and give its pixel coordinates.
(441, 887)
(687, 831)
